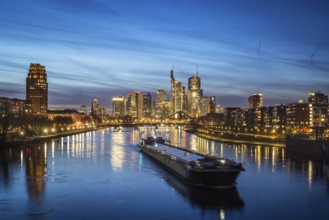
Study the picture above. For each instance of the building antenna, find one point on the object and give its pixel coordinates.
(197, 70)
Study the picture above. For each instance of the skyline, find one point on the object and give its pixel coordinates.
(279, 49)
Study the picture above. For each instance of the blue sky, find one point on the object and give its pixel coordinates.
(100, 49)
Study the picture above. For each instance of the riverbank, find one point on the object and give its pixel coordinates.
(38, 139)
(239, 140)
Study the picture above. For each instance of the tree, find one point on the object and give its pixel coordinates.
(6, 121)
(86, 120)
(60, 120)
(36, 124)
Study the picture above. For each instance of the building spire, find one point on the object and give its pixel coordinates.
(197, 70)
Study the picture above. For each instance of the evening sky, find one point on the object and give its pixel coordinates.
(100, 49)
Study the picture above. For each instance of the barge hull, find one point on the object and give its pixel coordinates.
(208, 178)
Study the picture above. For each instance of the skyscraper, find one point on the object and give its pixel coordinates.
(256, 100)
(177, 93)
(94, 108)
(208, 105)
(37, 89)
(166, 109)
(118, 106)
(147, 105)
(135, 104)
(194, 96)
(160, 97)
(83, 110)
(102, 113)
(172, 91)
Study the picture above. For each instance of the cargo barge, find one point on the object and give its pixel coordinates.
(191, 167)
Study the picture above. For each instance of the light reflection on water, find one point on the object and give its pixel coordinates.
(40, 180)
(117, 152)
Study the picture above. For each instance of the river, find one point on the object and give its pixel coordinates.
(103, 175)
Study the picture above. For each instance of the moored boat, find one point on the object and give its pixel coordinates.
(191, 167)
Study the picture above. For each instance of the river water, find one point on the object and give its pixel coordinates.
(103, 175)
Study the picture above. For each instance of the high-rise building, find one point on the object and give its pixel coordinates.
(160, 97)
(37, 89)
(102, 113)
(147, 105)
(83, 110)
(264, 118)
(318, 105)
(118, 106)
(317, 98)
(219, 109)
(256, 100)
(233, 117)
(95, 108)
(172, 91)
(298, 117)
(135, 104)
(212, 104)
(177, 93)
(280, 118)
(194, 96)
(166, 109)
(208, 105)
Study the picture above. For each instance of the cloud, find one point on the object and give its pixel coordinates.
(94, 48)
(82, 7)
(12, 90)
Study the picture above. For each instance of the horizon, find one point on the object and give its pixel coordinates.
(103, 49)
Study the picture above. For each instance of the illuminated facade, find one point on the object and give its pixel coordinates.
(16, 107)
(102, 113)
(147, 105)
(83, 110)
(160, 97)
(279, 118)
(256, 100)
(75, 115)
(318, 106)
(194, 96)
(95, 108)
(177, 94)
(233, 117)
(118, 106)
(37, 89)
(135, 104)
(298, 117)
(208, 105)
(166, 109)
(219, 109)
(317, 98)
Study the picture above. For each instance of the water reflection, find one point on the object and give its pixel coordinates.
(36, 170)
(4, 168)
(117, 151)
(42, 167)
(79, 145)
(257, 158)
(265, 158)
(208, 198)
